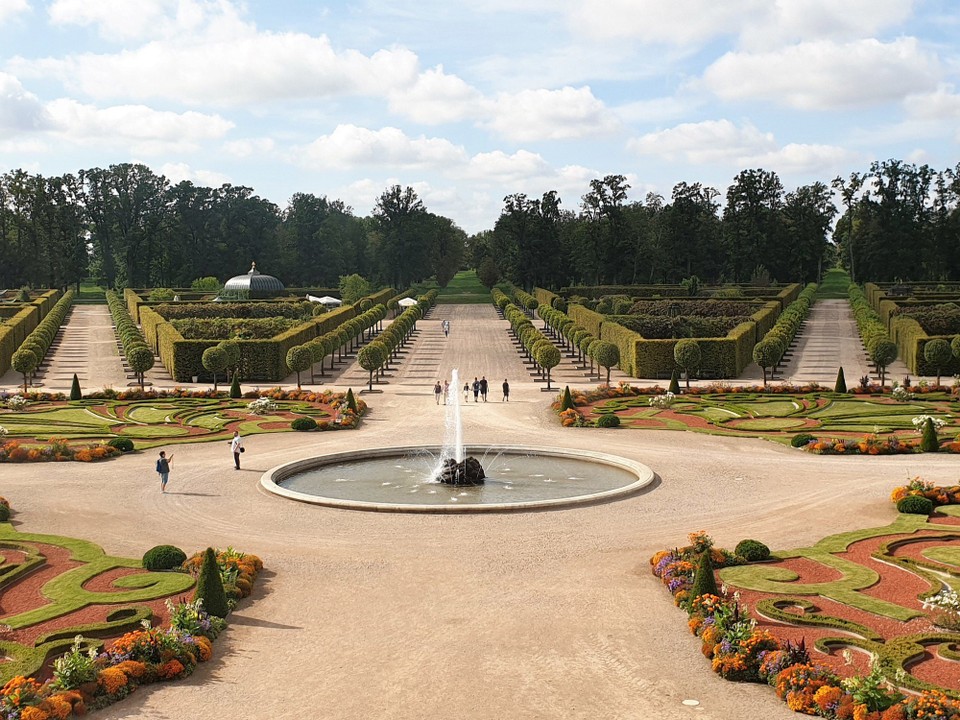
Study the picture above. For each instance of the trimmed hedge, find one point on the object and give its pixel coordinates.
(15, 328)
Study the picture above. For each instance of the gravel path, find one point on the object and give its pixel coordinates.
(516, 615)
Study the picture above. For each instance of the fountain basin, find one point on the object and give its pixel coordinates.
(394, 479)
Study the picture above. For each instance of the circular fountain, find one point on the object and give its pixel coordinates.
(427, 479)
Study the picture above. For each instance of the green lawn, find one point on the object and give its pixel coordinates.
(833, 285)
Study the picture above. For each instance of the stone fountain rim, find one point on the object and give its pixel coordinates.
(271, 479)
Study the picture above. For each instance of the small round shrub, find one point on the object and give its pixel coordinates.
(4, 512)
(610, 420)
(122, 444)
(915, 505)
(163, 557)
(801, 440)
(752, 550)
(304, 424)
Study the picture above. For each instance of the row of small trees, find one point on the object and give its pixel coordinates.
(769, 351)
(606, 354)
(375, 357)
(881, 349)
(346, 335)
(34, 348)
(138, 354)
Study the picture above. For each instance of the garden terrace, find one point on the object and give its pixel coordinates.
(150, 419)
(913, 320)
(591, 294)
(207, 324)
(862, 424)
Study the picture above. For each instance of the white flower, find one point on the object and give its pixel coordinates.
(3, 431)
(17, 402)
(902, 394)
(663, 401)
(920, 420)
(262, 406)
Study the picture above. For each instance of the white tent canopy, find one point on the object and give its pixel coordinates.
(326, 300)
(406, 302)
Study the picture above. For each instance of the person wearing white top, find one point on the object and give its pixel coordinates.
(236, 447)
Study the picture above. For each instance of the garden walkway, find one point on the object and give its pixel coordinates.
(827, 341)
(86, 345)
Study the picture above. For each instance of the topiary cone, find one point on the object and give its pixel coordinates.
(567, 402)
(841, 385)
(210, 586)
(704, 583)
(75, 393)
(351, 400)
(235, 387)
(674, 383)
(929, 442)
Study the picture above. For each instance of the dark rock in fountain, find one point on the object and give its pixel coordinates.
(468, 472)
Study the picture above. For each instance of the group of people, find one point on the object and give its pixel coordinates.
(480, 388)
(164, 461)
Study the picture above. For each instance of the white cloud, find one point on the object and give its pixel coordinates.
(178, 172)
(349, 145)
(435, 98)
(119, 20)
(710, 141)
(19, 110)
(9, 8)
(943, 104)
(147, 130)
(240, 66)
(799, 158)
(680, 22)
(824, 75)
(757, 23)
(499, 167)
(531, 115)
(250, 147)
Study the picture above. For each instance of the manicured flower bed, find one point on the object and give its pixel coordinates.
(50, 428)
(809, 621)
(807, 416)
(106, 637)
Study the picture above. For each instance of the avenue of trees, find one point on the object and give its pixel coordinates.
(127, 226)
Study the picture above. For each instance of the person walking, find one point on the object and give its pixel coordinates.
(476, 389)
(506, 391)
(446, 328)
(236, 447)
(437, 391)
(466, 391)
(484, 386)
(163, 469)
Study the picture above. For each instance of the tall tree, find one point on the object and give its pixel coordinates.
(401, 251)
(752, 228)
(807, 215)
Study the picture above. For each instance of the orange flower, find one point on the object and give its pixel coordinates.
(34, 713)
(112, 679)
(170, 669)
(204, 646)
(132, 668)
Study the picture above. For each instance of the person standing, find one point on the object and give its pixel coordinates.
(437, 391)
(484, 386)
(163, 469)
(236, 447)
(476, 389)
(506, 391)
(466, 391)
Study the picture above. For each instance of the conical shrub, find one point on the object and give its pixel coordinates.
(929, 442)
(210, 586)
(674, 383)
(351, 400)
(235, 387)
(841, 385)
(75, 393)
(567, 402)
(704, 583)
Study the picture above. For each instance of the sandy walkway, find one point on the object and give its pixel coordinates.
(525, 615)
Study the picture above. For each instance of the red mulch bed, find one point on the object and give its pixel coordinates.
(26, 594)
(896, 585)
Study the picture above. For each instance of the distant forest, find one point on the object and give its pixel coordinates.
(127, 226)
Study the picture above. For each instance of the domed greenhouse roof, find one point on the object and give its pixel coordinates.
(253, 286)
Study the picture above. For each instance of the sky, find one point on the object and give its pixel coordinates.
(470, 102)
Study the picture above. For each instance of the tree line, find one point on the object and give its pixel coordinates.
(128, 226)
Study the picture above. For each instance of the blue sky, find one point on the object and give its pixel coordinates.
(469, 102)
